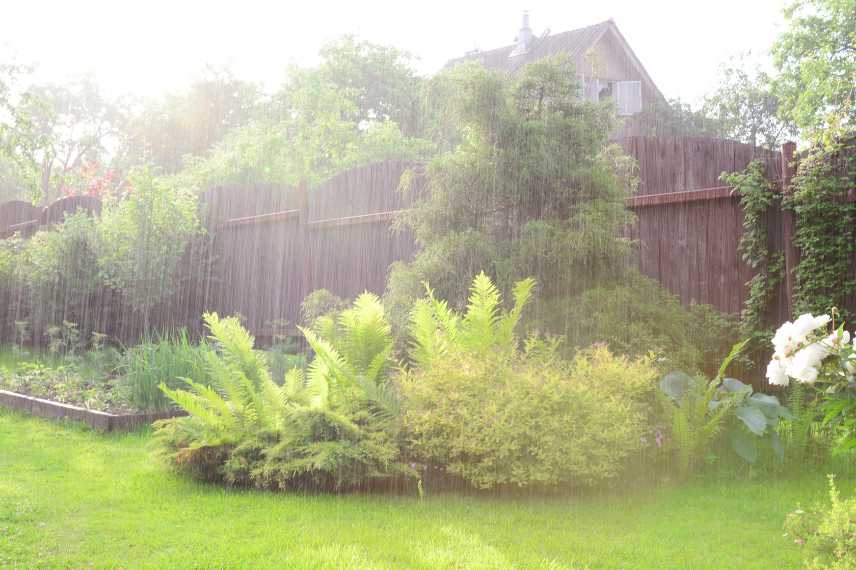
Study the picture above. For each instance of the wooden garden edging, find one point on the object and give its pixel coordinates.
(101, 421)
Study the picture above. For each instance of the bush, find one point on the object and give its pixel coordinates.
(530, 421)
(142, 240)
(639, 317)
(699, 410)
(165, 360)
(333, 427)
(497, 414)
(56, 275)
(828, 533)
(319, 303)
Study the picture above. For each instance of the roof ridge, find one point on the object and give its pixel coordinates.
(478, 52)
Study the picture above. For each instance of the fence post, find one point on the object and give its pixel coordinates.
(305, 243)
(789, 225)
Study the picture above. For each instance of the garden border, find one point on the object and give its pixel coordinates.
(102, 421)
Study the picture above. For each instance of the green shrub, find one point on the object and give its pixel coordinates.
(808, 439)
(827, 532)
(698, 411)
(638, 317)
(319, 303)
(333, 427)
(497, 414)
(164, 360)
(529, 422)
(141, 241)
(55, 274)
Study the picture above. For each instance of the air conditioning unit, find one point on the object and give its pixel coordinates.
(628, 97)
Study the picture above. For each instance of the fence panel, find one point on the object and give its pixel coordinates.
(272, 244)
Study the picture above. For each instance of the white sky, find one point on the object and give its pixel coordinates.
(147, 47)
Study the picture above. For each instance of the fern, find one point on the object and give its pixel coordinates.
(481, 320)
(357, 353)
(698, 416)
(483, 330)
(807, 436)
(329, 424)
(241, 399)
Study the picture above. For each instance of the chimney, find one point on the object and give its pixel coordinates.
(524, 37)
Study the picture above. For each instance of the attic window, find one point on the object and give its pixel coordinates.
(628, 97)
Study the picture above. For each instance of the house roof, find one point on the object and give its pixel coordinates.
(574, 43)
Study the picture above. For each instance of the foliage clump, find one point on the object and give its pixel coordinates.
(330, 428)
(825, 226)
(320, 303)
(827, 532)
(637, 317)
(142, 240)
(167, 360)
(531, 188)
(500, 414)
(699, 411)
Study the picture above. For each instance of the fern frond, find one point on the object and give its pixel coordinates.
(328, 363)
(446, 319)
(508, 322)
(426, 342)
(364, 331)
(480, 320)
(734, 353)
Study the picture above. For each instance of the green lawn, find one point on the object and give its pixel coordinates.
(71, 498)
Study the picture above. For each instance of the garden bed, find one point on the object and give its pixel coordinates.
(95, 419)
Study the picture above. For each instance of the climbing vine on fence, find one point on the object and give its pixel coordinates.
(757, 195)
(826, 227)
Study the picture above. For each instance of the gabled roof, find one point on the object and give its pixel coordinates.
(574, 43)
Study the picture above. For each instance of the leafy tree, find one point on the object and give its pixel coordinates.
(190, 123)
(343, 113)
(816, 62)
(532, 189)
(11, 187)
(746, 106)
(52, 129)
(675, 118)
(379, 80)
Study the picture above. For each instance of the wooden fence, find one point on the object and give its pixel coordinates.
(273, 243)
(689, 223)
(688, 229)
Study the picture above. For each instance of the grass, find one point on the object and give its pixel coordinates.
(71, 498)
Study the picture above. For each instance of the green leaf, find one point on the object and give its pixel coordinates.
(676, 385)
(770, 406)
(745, 445)
(735, 385)
(753, 418)
(776, 443)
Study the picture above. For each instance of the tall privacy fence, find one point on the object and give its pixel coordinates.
(272, 244)
(275, 243)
